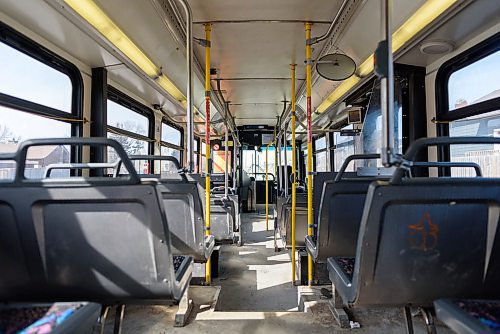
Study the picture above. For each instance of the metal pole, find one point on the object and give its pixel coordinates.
(189, 93)
(280, 173)
(332, 25)
(387, 87)
(208, 267)
(267, 193)
(285, 163)
(309, 151)
(226, 155)
(234, 163)
(294, 175)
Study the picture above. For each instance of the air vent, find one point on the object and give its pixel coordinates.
(437, 47)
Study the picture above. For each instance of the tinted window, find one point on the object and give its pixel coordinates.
(126, 119)
(478, 82)
(26, 78)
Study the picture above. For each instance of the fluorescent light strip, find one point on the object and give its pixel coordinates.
(98, 19)
(427, 13)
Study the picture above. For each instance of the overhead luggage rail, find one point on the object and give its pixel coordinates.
(412, 236)
(184, 212)
(97, 239)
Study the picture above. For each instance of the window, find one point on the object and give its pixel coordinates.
(40, 97)
(370, 139)
(254, 162)
(344, 147)
(130, 123)
(203, 157)
(475, 83)
(171, 143)
(321, 154)
(469, 99)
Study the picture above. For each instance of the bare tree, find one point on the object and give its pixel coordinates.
(6, 134)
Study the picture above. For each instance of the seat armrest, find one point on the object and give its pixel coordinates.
(183, 277)
(311, 247)
(209, 245)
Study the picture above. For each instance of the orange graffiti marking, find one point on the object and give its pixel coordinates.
(423, 235)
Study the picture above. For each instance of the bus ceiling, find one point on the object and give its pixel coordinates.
(252, 45)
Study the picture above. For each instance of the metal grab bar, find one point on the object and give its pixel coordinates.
(22, 152)
(474, 165)
(353, 157)
(408, 158)
(71, 165)
(161, 158)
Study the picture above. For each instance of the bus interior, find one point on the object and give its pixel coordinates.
(284, 166)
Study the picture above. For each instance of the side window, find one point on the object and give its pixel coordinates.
(344, 147)
(129, 123)
(471, 82)
(40, 97)
(321, 154)
(171, 145)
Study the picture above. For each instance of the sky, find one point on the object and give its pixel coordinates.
(475, 81)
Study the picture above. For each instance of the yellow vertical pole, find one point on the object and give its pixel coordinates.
(267, 193)
(309, 148)
(208, 29)
(294, 175)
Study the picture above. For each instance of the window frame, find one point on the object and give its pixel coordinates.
(444, 116)
(130, 103)
(315, 152)
(16, 40)
(180, 147)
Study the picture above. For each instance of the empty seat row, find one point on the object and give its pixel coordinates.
(422, 239)
(98, 239)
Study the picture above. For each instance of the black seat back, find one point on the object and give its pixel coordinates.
(339, 213)
(425, 239)
(103, 240)
(184, 211)
(428, 240)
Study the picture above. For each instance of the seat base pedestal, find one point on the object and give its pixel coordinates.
(336, 307)
(185, 308)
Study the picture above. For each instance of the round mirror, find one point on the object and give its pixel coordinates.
(336, 66)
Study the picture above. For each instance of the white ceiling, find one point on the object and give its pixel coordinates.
(254, 56)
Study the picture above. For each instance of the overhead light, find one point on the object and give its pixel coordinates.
(171, 89)
(427, 13)
(341, 89)
(98, 19)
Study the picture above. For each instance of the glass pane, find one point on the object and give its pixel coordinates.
(132, 146)
(196, 145)
(167, 151)
(126, 119)
(344, 147)
(480, 81)
(320, 143)
(219, 161)
(288, 155)
(321, 162)
(17, 126)
(28, 79)
(487, 155)
(7, 170)
(40, 157)
(370, 140)
(171, 135)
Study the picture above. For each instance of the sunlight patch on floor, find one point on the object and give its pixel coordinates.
(270, 275)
